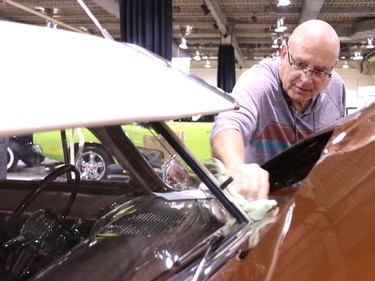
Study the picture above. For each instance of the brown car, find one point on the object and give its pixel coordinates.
(325, 228)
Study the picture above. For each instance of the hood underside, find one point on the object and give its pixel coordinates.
(128, 83)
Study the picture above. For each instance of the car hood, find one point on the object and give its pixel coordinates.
(325, 228)
(48, 68)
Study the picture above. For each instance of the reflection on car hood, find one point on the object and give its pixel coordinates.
(136, 242)
(62, 69)
(326, 229)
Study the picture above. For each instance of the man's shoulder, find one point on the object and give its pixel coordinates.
(268, 65)
(266, 70)
(336, 84)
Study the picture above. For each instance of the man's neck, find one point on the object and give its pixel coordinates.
(300, 106)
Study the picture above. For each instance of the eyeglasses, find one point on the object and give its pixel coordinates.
(301, 66)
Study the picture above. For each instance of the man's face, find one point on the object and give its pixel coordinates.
(305, 73)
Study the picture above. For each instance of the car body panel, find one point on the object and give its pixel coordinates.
(196, 135)
(147, 74)
(326, 229)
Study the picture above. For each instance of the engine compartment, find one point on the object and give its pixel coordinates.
(48, 244)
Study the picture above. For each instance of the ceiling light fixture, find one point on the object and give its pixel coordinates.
(51, 24)
(280, 26)
(275, 45)
(369, 43)
(275, 54)
(197, 56)
(357, 55)
(183, 44)
(207, 64)
(284, 41)
(283, 3)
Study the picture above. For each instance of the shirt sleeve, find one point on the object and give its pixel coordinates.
(248, 93)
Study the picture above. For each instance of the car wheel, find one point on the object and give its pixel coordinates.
(12, 160)
(93, 163)
(33, 161)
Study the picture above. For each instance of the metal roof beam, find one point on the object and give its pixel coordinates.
(224, 28)
(310, 10)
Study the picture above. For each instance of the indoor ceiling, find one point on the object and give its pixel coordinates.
(248, 25)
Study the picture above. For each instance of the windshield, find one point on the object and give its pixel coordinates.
(136, 182)
(98, 161)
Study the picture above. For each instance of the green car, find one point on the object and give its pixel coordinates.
(194, 132)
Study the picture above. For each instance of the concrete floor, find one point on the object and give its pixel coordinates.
(32, 173)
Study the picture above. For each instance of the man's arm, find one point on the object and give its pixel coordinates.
(249, 179)
(228, 147)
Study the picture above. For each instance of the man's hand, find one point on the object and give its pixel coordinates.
(256, 208)
(250, 180)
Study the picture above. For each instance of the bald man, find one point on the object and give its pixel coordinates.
(282, 99)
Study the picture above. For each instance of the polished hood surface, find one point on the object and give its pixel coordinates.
(325, 229)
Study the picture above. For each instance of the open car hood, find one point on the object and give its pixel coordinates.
(56, 63)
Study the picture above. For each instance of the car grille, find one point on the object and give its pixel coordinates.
(148, 223)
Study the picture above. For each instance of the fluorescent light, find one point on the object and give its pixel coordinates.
(197, 56)
(183, 44)
(207, 64)
(357, 55)
(275, 45)
(280, 26)
(284, 3)
(369, 44)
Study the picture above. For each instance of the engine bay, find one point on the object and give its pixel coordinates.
(49, 240)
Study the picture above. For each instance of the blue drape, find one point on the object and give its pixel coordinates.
(147, 23)
(226, 68)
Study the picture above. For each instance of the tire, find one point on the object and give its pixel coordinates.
(12, 160)
(33, 161)
(93, 163)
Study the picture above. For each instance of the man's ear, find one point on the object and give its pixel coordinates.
(284, 50)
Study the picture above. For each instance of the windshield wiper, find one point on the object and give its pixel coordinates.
(98, 25)
(202, 264)
(202, 247)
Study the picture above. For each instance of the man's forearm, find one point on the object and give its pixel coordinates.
(228, 147)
